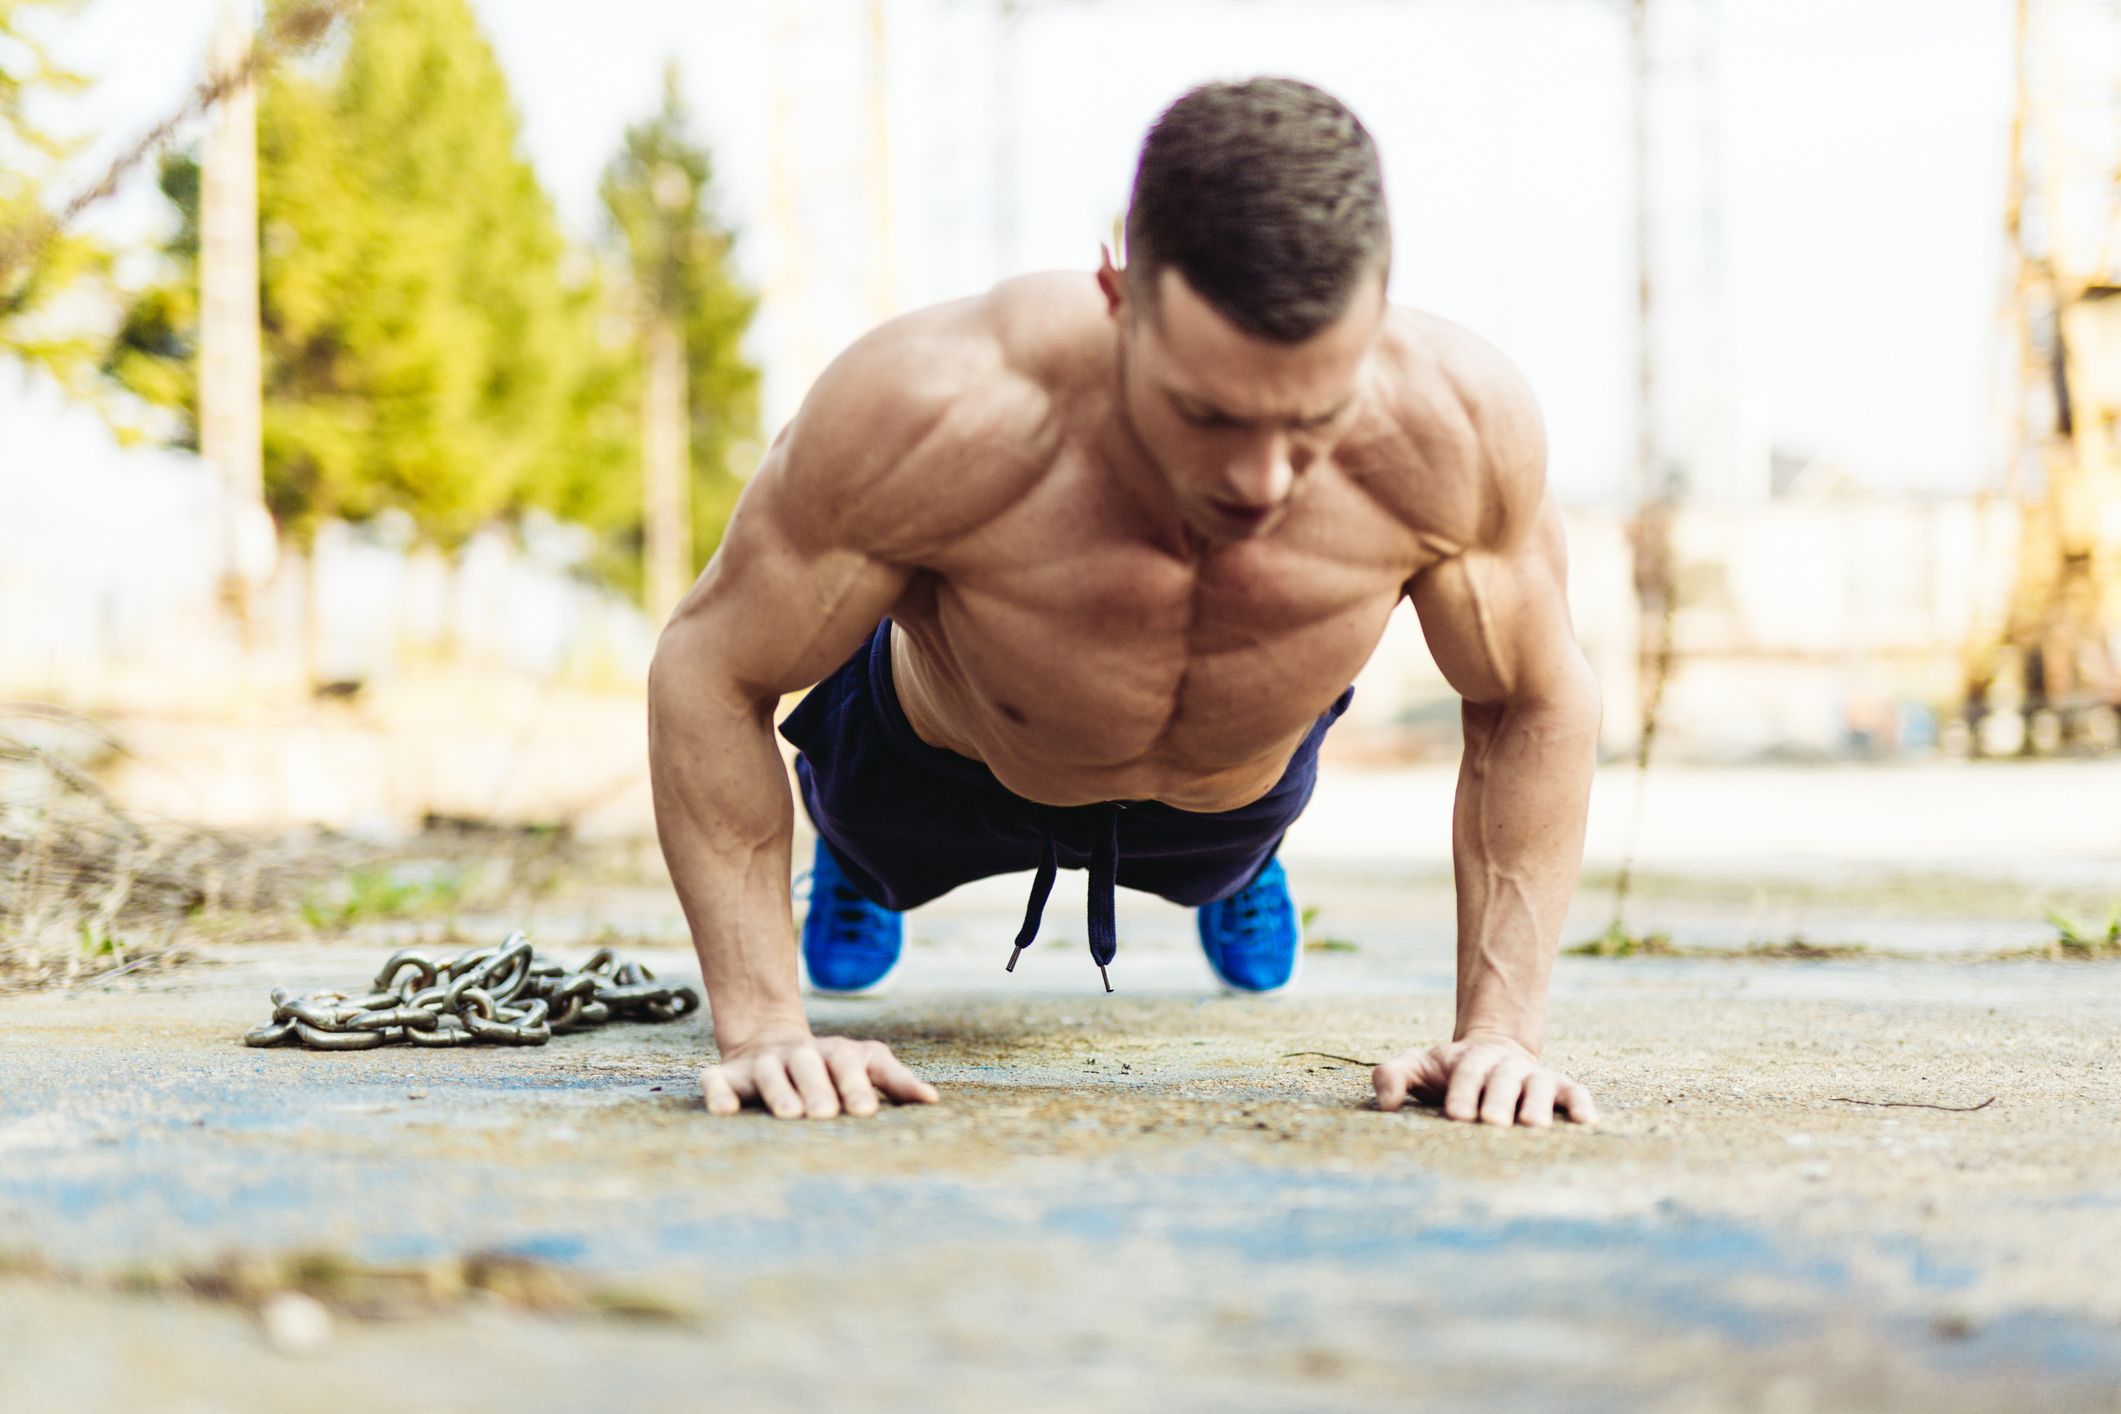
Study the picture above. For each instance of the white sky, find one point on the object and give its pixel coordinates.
(1829, 213)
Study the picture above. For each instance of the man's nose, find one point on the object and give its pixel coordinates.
(1264, 475)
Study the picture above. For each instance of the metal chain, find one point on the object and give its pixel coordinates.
(504, 995)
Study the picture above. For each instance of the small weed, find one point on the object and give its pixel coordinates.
(373, 895)
(2075, 939)
(1617, 941)
(1311, 944)
(97, 941)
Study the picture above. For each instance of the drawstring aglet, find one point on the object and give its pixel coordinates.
(1106, 975)
(1013, 957)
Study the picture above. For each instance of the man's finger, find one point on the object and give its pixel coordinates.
(1427, 1074)
(721, 1096)
(894, 1078)
(821, 1098)
(1577, 1101)
(852, 1078)
(1462, 1099)
(1391, 1081)
(776, 1091)
(1505, 1086)
(1537, 1106)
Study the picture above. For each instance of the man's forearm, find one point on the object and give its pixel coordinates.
(723, 816)
(1517, 845)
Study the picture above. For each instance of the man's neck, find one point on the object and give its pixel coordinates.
(1134, 469)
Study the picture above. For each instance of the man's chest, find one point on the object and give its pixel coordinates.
(1064, 644)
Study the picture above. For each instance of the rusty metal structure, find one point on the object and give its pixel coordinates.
(2046, 679)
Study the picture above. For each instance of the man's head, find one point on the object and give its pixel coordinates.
(1257, 249)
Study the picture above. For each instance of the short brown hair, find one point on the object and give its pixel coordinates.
(1266, 195)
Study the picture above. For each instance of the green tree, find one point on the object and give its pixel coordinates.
(38, 264)
(686, 299)
(157, 341)
(424, 344)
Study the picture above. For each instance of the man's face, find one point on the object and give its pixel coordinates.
(1235, 421)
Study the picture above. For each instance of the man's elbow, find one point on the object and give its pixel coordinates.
(1565, 698)
(689, 678)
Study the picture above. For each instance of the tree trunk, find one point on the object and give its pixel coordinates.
(230, 412)
(666, 457)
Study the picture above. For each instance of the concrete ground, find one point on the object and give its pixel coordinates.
(1134, 1201)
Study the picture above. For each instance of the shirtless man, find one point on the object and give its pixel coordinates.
(1082, 569)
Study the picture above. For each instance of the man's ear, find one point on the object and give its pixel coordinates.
(1113, 281)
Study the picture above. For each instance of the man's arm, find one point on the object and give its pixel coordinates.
(1496, 618)
(815, 555)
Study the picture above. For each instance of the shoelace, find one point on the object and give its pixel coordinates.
(869, 923)
(1251, 904)
(1249, 909)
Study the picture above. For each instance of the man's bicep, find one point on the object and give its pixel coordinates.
(782, 603)
(802, 575)
(1497, 621)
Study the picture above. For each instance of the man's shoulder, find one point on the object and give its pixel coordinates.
(1009, 349)
(936, 420)
(1463, 443)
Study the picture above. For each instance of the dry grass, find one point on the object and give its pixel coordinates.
(1616, 941)
(88, 890)
(366, 1291)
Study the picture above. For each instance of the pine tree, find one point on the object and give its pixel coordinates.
(691, 312)
(424, 348)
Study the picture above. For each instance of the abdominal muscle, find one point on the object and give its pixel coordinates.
(1131, 745)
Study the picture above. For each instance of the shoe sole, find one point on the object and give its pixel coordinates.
(874, 989)
(880, 987)
(1296, 971)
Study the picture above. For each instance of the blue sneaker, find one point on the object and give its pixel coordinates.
(1254, 938)
(850, 945)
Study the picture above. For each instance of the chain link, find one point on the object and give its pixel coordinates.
(506, 996)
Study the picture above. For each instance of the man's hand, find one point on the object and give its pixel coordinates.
(1491, 1079)
(796, 1075)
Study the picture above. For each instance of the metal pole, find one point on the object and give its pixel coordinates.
(883, 297)
(1653, 515)
(1006, 14)
(1645, 288)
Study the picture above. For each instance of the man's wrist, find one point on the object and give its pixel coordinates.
(733, 1033)
(1527, 1039)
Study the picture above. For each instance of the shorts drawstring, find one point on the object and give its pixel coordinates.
(1104, 884)
(1041, 887)
(1101, 907)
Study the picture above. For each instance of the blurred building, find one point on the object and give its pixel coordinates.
(1821, 622)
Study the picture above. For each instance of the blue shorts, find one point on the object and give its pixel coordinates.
(908, 822)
